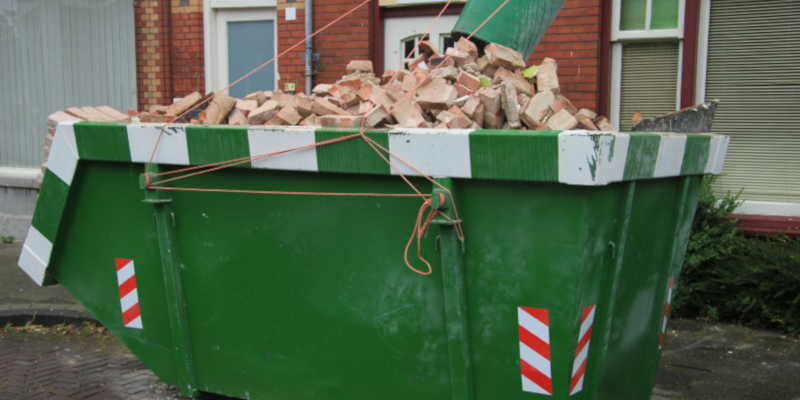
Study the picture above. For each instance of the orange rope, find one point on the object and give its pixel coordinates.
(294, 193)
(420, 227)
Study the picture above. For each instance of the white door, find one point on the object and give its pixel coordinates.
(244, 40)
(402, 33)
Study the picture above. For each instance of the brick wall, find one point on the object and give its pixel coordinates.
(167, 69)
(573, 40)
(347, 40)
(169, 50)
(188, 58)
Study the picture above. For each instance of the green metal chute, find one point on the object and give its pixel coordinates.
(520, 24)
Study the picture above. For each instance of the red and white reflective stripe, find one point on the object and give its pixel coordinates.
(534, 350)
(666, 313)
(582, 351)
(128, 296)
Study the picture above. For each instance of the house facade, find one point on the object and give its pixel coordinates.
(614, 56)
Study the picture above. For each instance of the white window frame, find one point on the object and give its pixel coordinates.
(442, 37)
(619, 37)
(216, 50)
(647, 33)
(704, 21)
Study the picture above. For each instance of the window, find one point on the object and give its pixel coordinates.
(446, 42)
(407, 47)
(646, 59)
(648, 80)
(647, 19)
(748, 59)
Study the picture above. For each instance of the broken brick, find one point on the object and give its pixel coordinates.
(490, 98)
(264, 113)
(521, 84)
(460, 120)
(302, 104)
(322, 89)
(78, 113)
(387, 76)
(585, 122)
(478, 115)
(311, 120)
(537, 109)
(502, 56)
(395, 92)
(258, 96)
(407, 114)
(220, 106)
(352, 82)
(237, 117)
(470, 81)
(462, 90)
(324, 107)
(546, 77)
(288, 116)
(246, 106)
(589, 113)
(508, 97)
(467, 46)
(409, 83)
(562, 103)
(340, 120)
(439, 96)
(59, 116)
(179, 107)
(561, 121)
(429, 48)
(377, 116)
(446, 72)
(603, 124)
(114, 114)
(493, 120)
(359, 65)
(471, 105)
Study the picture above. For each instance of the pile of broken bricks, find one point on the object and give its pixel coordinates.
(492, 91)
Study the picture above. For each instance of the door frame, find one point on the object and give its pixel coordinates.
(216, 43)
(380, 12)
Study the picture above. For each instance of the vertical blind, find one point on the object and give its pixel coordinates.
(56, 54)
(753, 68)
(649, 80)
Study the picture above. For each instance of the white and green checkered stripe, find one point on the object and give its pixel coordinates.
(569, 157)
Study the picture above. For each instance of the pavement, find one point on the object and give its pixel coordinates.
(21, 299)
(700, 361)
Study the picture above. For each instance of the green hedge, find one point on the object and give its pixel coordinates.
(749, 280)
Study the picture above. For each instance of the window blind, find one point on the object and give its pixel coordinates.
(753, 68)
(649, 80)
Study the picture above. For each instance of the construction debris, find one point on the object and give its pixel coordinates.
(494, 91)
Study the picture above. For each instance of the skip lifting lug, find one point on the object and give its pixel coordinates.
(153, 195)
(441, 200)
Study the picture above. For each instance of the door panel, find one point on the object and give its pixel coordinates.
(250, 44)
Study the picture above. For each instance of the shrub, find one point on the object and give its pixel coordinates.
(749, 280)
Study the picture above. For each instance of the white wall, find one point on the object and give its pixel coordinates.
(398, 29)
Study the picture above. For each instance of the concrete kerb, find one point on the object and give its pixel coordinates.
(45, 314)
